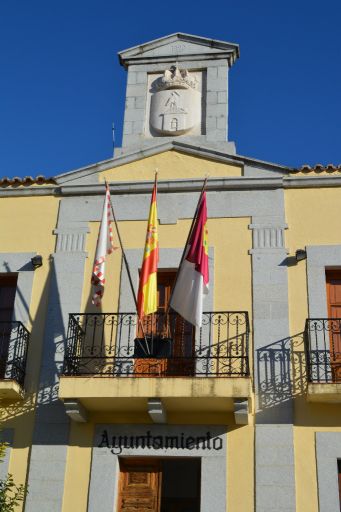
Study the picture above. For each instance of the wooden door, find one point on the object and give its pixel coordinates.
(333, 279)
(8, 285)
(181, 361)
(139, 485)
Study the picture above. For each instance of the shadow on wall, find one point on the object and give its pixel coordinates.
(281, 371)
(10, 410)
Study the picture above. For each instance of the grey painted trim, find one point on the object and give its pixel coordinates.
(328, 450)
(20, 263)
(28, 191)
(312, 182)
(6, 436)
(105, 465)
(253, 180)
(183, 185)
(275, 468)
(51, 430)
(320, 257)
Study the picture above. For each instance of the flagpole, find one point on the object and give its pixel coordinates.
(186, 244)
(128, 272)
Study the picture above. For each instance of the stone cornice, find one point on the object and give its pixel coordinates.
(181, 185)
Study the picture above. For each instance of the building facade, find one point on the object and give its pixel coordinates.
(242, 414)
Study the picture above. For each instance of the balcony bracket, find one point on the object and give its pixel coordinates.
(241, 412)
(156, 410)
(76, 411)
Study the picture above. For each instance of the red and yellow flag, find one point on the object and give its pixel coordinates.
(147, 294)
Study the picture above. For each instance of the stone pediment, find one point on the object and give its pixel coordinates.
(180, 46)
(133, 166)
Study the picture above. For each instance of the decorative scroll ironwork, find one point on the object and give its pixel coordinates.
(14, 339)
(323, 349)
(111, 344)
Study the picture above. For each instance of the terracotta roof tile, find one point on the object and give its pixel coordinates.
(26, 180)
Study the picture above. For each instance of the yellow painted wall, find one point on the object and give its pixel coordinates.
(171, 165)
(240, 461)
(313, 217)
(232, 288)
(26, 225)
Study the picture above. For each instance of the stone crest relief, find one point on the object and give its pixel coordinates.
(175, 103)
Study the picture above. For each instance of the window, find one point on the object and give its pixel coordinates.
(174, 124)
(333, 282)
(8, 286)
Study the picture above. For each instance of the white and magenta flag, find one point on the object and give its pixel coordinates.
(104, 247)
(192, 282)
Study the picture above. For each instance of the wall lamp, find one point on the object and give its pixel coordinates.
(300, 255)
(37, 261)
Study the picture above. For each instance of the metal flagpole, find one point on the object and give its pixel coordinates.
(188, 239)
(147, 352)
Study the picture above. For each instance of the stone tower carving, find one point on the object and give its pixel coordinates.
(177, 88)
(175, 103)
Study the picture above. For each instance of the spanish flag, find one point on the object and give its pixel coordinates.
(193, 278)
(147, 294)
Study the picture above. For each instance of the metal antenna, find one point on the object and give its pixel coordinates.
(113, 136)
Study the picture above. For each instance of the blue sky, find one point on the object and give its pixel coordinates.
(61, 85)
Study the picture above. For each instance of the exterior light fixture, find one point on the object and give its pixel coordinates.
(300, 255)
(37, 261)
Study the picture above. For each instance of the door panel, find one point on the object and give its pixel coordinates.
(333, 279)
(139, 485)
(173, 326)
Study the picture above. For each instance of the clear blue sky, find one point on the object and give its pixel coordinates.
(61, 85)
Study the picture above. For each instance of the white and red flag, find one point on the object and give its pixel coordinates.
(104, 247)
(192, 282)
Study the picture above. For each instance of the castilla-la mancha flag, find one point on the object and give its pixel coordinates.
(104, 247)
(192, 282)
(147, 294)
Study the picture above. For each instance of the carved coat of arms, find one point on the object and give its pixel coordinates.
(175, 106)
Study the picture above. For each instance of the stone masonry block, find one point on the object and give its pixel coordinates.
(136, 90)
(216, 84)
(211, 122)
(212, 98)
(131, 78)
(217, 110)
(212, 72)
(128, 127)
(217, 135)
(138, 126)
(222, 97)
(136, 114)
(222, 72)
(141, 78)
(131, 140)
(140, 102)
(130, 102)
(221, 123)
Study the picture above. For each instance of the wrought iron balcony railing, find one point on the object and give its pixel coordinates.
(323, 349)
(14, 339)
(113, 344)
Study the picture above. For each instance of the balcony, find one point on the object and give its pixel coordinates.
(14, 339)
(323, 353)
(111, 362)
